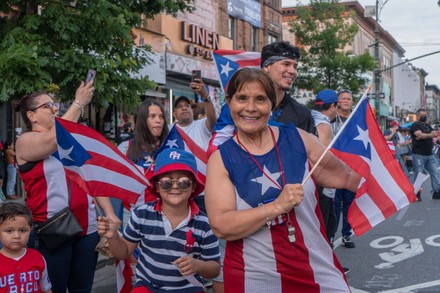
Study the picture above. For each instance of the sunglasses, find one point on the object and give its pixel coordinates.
(48, 105)
(183, 183)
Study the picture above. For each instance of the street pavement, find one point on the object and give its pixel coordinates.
(105, 280)
(105, 277)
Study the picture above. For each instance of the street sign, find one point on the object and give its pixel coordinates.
(370, 11)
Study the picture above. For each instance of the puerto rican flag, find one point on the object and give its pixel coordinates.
(178, 139)
(229, 61)
(124, 276)
(392, 147)
(384, 189)
(96, 165)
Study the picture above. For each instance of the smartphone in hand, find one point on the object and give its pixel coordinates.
(196, 74)
(90, 76)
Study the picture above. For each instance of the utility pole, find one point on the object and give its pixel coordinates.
(377, 72)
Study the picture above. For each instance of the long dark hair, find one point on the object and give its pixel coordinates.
(144, 141)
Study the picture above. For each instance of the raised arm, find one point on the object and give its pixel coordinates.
(211, 117)
(39, 144)
(331, 172)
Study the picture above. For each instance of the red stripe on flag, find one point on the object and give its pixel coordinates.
(194, 148)
(124, 275)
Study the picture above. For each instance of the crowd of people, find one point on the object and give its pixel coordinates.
(253, 226)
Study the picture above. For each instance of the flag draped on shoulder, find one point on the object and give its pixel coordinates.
(96, 165)
(229, 61)
(224, 129)
(384, 189)
(177, 138)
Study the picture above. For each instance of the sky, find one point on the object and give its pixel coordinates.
(415, 25)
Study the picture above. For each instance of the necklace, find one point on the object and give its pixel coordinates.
(259, 166)
(290, 228)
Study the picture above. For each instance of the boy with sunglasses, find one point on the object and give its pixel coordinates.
(176, 242)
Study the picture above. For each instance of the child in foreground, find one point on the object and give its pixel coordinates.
(176, 242)
(22, 269)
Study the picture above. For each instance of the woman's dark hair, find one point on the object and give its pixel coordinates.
(144, 141)
(247, 75)
(27, 103)
(10, 210)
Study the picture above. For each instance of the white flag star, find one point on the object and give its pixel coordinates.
(226, 69)
(363, 136)
(265, 182)
(65, 154)
(171, 143)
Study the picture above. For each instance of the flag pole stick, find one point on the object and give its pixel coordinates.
(97, 207)
(364, 96)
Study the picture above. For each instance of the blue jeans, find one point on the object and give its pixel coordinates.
(73, 265)
(430, 164)
(343, 200)
(12, 177)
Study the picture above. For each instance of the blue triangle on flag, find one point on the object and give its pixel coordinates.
(70, 152)
(226, 68)
(355, 137)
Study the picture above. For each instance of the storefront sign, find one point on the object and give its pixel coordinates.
(247, 10)
(200, 36)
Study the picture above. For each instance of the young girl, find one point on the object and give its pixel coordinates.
(22, 269)
(177, 245)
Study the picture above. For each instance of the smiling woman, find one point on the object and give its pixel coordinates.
(256, 202)
(39, 170)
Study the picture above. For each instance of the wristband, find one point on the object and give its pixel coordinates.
(207, 99)
(78, 105)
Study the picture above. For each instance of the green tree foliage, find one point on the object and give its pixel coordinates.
(50, 44)
(323, 30)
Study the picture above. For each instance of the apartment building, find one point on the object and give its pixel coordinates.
(391, 52)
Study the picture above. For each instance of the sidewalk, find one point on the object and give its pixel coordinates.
(105, 276)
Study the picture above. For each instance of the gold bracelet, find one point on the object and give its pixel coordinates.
(268, 221)
(78, 105)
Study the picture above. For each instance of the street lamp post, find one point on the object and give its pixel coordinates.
(377, 72)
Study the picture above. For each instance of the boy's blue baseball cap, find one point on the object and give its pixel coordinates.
(173, 159)
(326, 97)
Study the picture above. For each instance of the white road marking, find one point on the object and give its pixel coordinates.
(411, 288)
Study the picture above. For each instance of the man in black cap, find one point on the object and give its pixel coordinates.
(280, 61)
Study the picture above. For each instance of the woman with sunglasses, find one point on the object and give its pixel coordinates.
(48, 190)
(177, 245)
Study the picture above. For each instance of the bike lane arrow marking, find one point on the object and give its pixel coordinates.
(400, 252)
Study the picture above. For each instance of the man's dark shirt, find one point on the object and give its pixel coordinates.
(421, 146)
(291, 111)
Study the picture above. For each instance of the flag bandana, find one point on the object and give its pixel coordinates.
(229, 61)
(384, 188)
(96, 165)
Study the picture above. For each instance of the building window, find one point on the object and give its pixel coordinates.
(271, 38)
(231, 29)
(254, 40)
